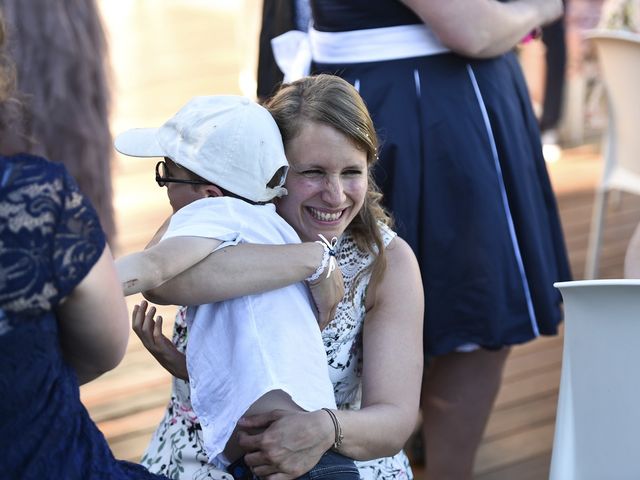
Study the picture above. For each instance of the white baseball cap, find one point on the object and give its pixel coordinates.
(228, 140)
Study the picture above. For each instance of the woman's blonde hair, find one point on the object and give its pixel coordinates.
(332, 101)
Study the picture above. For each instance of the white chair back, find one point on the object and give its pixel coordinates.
(597, 432)
(619, 60)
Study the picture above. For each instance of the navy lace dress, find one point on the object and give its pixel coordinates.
(50, 238)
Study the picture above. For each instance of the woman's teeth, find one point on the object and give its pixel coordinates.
(324, 216)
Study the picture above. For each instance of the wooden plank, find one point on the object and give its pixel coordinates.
(145, 421)
(132, 446)
(535, 468)
(128, 381)
(524, 366)
(150, 398)
(539, 383)
(519, 447)
(505, 421)
(539, 344)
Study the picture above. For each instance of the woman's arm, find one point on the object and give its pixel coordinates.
(93, 322)
(484, 28)
(393, 362)
(392, 375)
(244, 269)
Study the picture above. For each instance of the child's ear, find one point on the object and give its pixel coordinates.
(212, 191)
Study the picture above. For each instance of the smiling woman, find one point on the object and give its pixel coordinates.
(324, 119)
(373, 343)
(327, 179)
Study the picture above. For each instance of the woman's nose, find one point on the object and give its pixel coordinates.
(333, 193)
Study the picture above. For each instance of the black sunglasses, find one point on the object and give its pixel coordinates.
(162, 177)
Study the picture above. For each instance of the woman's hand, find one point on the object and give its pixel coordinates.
(327, 293)
(289, 443)
(149, 330)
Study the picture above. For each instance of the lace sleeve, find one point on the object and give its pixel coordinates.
(49, 234)
(79, 239)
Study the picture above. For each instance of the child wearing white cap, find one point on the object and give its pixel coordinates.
(223, 159)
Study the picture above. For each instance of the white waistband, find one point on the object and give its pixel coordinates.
(294, 50)
(374, 44)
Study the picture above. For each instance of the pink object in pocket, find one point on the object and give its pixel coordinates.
(532, 35)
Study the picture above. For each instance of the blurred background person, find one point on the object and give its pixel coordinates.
(278, 17)
(63, 319)
(60, 52)
(620, 15)
(555, 55)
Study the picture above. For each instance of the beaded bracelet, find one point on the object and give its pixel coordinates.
(328, 258)
(338, 429)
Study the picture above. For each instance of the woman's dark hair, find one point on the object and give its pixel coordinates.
(7, 71)
(11, 108)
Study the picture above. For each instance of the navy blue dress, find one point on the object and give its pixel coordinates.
(462, 171)
(50, 238)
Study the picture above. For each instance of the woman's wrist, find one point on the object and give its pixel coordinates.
(315, 258)
(327, 430)
(338, 436)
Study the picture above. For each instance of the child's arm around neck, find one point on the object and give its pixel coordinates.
(161, 262)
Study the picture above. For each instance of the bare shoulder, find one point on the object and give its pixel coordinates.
(401, 281)
(398, 251)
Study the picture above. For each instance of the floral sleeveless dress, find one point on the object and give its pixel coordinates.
(176, 448)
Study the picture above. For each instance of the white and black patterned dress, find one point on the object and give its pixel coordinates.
(176, 448)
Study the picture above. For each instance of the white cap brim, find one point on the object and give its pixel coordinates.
(139, 142)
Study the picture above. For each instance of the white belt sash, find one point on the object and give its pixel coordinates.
(295, 50)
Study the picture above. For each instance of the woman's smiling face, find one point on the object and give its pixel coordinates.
(327, 182)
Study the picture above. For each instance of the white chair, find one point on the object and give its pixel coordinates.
(597, 435)
(619, 59)
(632, 256)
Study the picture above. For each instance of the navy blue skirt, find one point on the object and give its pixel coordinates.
(462, 171)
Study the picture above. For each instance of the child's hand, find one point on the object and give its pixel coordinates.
(327, 293)
(149, 330)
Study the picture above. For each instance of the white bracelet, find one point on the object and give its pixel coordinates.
(328, 258)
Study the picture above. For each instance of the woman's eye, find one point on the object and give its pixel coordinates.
(311, 173)
(352, 172)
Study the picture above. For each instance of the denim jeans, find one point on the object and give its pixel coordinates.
(332, 466)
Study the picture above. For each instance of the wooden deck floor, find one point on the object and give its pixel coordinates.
(165, 52)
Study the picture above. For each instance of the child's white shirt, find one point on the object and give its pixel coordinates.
(240, 349)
